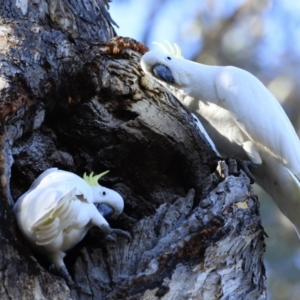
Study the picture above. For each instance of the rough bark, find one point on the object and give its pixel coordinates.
(69, 101)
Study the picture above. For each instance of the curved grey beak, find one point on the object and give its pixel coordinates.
(163, 73)
(104, 209)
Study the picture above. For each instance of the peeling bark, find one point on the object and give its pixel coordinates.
(69, 100)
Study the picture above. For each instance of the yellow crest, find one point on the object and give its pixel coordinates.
(93, 180)
(170, 49)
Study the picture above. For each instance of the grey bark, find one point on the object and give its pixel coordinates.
(196, 228)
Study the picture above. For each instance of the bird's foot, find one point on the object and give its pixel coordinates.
(109, 232)
(52, 269)
(231, 166)
(246, 165)
(63, 272)
(123, 233)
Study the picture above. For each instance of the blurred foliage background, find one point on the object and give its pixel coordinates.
(261, 36)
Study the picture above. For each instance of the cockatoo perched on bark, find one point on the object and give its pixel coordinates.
(241, 116)
(58, 210)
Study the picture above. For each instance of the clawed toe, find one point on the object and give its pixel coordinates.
(118, 232)
(63, 272)
(123, 233)
(231, 166)
(246, 165)
(110, 238)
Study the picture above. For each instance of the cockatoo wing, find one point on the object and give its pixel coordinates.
(41, 177)
(40, 202)
(49, 223)
(34, 185)
(63, 180)
(253, 108)
(55, 183)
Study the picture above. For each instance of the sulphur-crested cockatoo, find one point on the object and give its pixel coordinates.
(241, 116)
(58, 210)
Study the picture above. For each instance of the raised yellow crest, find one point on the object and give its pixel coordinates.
(93, 180)
(170, 49)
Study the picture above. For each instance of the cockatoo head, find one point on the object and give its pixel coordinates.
(108, 202)
(166, 65)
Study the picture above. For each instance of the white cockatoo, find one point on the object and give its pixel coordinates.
(58, 210)
(241, 116)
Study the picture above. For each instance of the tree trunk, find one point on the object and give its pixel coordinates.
(69, 100)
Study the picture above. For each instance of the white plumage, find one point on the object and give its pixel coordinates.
(58, 210)
(241, 116)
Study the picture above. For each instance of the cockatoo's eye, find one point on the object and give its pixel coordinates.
(104, 193)
(168, 57)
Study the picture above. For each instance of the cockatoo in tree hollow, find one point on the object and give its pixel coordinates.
(241, 116)
(58, 210)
